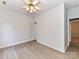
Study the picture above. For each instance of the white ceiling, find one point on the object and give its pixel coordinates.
(16, 5)
(72, 3)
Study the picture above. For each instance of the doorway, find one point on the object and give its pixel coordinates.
(74, 31)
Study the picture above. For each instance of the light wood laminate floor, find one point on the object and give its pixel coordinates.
(34, 50)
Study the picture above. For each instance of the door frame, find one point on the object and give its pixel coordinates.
(69, 28)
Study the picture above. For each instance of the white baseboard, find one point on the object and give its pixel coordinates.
(5, 46)
(51, 47)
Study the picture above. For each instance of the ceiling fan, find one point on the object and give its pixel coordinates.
(32, 5)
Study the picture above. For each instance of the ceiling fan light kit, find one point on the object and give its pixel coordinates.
(31, 6)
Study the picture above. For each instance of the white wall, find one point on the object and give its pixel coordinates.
(14, 28)
(73, 12)
(66, 28)
(50, 28)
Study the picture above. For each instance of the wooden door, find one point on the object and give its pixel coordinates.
(75, 33)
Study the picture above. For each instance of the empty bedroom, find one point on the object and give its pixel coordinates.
(39, 29)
